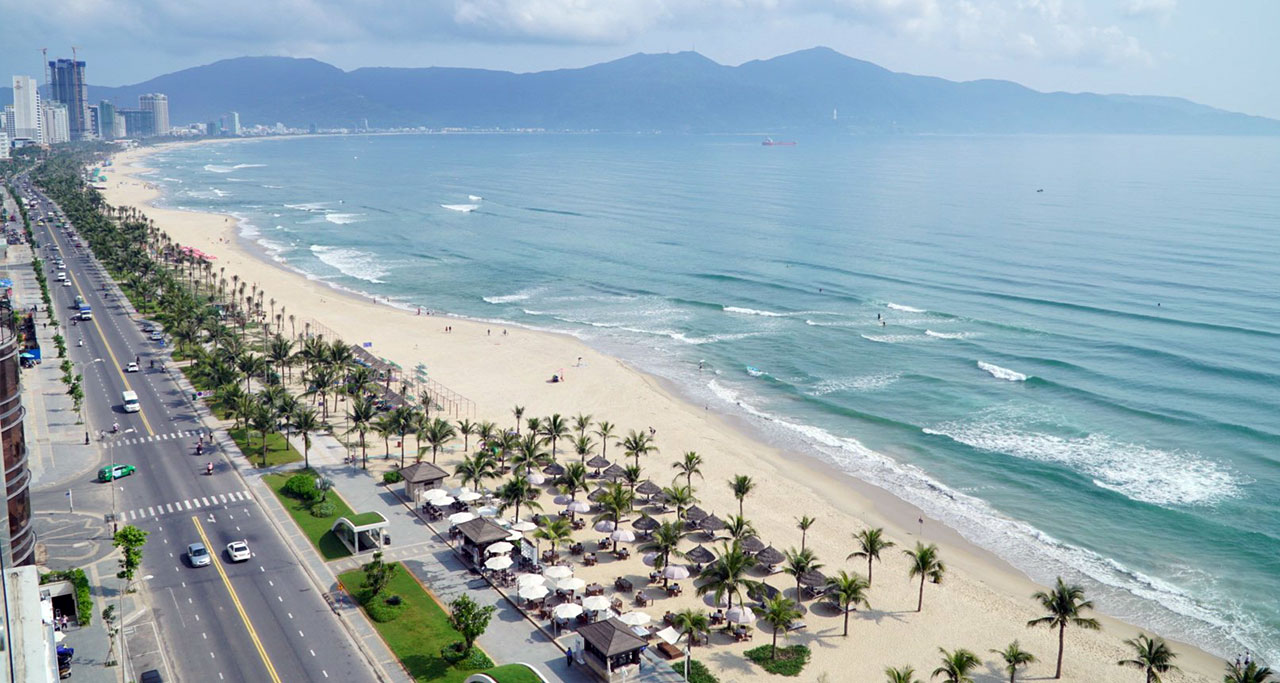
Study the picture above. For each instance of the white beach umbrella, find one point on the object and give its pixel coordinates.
(459, 490)
(460, 517)
(572, 583)
(649, 558)
(623, 535)
(487, 511)
(675, 572)
(524, 526)
(432, 493)
(533, 591)
(567, 611)
(739, 615)
(469, 496)
(596, 603)
(605, 525)
(557, 571)
(499, 562)
(441, 501)
(635, 618)
(500, 548)
(537, 479)
(530, 580)
(562, 499)
(515, 536)
(578, 506)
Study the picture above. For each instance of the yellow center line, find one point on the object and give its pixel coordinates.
(235, 599)
(106, 344)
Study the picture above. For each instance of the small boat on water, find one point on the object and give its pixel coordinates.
(770, 142)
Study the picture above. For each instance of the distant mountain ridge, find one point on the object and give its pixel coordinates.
(674, 92)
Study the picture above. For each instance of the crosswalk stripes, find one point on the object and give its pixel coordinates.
(193, 503)
(154, 438)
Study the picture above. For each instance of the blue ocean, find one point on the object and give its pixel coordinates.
(1064, 347)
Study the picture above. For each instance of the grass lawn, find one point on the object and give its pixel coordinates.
(789, 662)
(316, 528)
(512, 673)
(419, 633)
(279, 450)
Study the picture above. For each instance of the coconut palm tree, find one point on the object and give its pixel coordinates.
(582, 445)
(926, 565)
(605, 432)
(903, 674)
(305, 422)
(688, 465)
(797, 564)
(691, 623)
(475, 469)
(554, 429)
(741, 485)
(534, 426)
(1151, 655)
(529, 454)
(486, 431)
(466, 428)
(616, 502)
(632, 475)
(870, 543)
(1239, 672)
(263, 421)
(518, 411)
(739, 528)
(402, 417)
(581, 423)
(803, 523)
(679, 496)
(778, 612)
(1065, 604)
(555, 530)
(518, 491)
(637, 444)
(437, 435)
(665, 541)
(1014, 656)
(847, 591)
(385, 426)
(362, 414)
(573, 480)
(726, 577)
(957, 665)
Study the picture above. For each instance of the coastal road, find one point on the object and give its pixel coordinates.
(255, 621)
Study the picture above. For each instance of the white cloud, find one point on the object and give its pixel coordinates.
(1160, 9)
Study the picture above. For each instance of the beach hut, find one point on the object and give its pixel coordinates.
(477, 535)
(611, 650)
(420, 478)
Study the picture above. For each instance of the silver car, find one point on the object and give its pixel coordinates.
(198, 555)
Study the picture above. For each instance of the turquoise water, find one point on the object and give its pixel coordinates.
(1082, 380)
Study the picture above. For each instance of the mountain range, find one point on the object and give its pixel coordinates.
(817, 88)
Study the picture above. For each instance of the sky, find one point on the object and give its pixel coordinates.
(1223, 54)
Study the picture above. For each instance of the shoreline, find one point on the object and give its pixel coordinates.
(984, 592)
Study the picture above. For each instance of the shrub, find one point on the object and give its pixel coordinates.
(386, 609)
(323, 510)
(84, 597)
(698, 672)
(474, 660)
(789, 662)
(391, 478)
(301, 486)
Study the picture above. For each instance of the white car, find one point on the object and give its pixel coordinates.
(238, 551)
(131, 367)
(66, 283)
(157, 335)
(198, 556)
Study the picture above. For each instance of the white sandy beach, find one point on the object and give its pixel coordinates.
(982, 605)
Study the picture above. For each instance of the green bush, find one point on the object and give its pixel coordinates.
(698, 672)
(789, 662)
(301, 487)
(383, 609)
(391, 478)
(465, 661)
(325, 509)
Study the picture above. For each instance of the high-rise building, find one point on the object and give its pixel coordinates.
(158, 105)
(119, 130)
(67, 85)
(6, 123)
(27, 121)
(4, 145)
(94, 124)
(106, 120)
(212, 129)
(140, 123)
(57, 123)
(231, 123)
(17, 532)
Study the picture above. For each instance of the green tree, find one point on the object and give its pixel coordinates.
(554, 530)
(130, 540)
(688, 465)
(847, 591)
(306, 422)
(1065, 604)
(466, 428)
(581, 423)
(1239, 672)
(1152, 655)
(605, 432)
(799, 563)
(665, 541)
(727, 576)
(616, 502)
(516, 492)
(637, 444)
(554, 429)
(679, 496)
(402, 416)
(574, 480)
(362, 414)
(475, 469)
(871, 542)
(518, 411)
(1014, 656)
(377, 574)
(957, 665)
(263, 421)
(803, 523)
(582, 445)
(469, 619)
(438, 434)
(903, 674)
(778, 612)
(741, 485)
(926, 565)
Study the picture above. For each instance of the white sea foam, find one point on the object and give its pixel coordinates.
(521, 295)
(843, 323)
(239, 166)
(752, 311)
(310, 206)
(274, 187)
(352, 262)
(464, 208)
(1002, 373)
(893, 338)
(755, 372)
(856, 383)
(948, 335)
(343, 218)
(214, 168)
(475, 197)
(905, 309)
(220, 193)
(173, 180)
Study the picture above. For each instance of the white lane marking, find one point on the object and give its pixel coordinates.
(271, 583)
(326, 673)
(206, 501)
(313, 652)
(132, 515)
(280, 599)
(151, 511)
(187, 503)
(169, 506)
(196, 501)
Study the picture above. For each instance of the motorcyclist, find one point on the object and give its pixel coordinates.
(115, 427)
(208, 468)
(79, 342)
(199, 449)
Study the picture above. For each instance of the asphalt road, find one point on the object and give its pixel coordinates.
(255, 621)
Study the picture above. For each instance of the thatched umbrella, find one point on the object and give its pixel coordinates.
(614, 472)
(648, 488)
(596, 495)
(555, 469)
(711, 524)
(814, 579)
(695, 514)
(770, 555)
(753, 545)
(646, 523)
(598, 463)
(700, 555)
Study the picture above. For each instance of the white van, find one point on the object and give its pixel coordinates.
(131, 402)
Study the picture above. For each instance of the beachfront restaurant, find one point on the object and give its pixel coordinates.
(421, 477)
(477, 535)
(611, 650)
(362, 533)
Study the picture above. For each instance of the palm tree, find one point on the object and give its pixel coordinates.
(554, 429)
(739, 528)
(903, 674)
(437, 435)
(556, 530)
(1240, 672)
(529, 454)
(582, 445)
(518, 411)
(1152, 655)
(957, 665)
(665, 541)
(679, 496)
(486, 431)
(402, 417)
(688, 465)
(475, 469)
(604, 432)
(574, 479)
(263, 421)
(691, 623)
(362, 414)
(305, 422)
(778, 612)
(616, 502)
(925, 564)
(741, 485)
(637, 444)
(466, 428)
(1064, 604)
(518, 491)
(386, 428)
(534, 426)
(870, 543)
(798, 563)
(632, 475)
(1014, 656)
(726, 576)
(847, 591)
(803, 523)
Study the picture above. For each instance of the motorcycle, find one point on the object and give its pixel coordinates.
(208, 468)
(115, 428)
